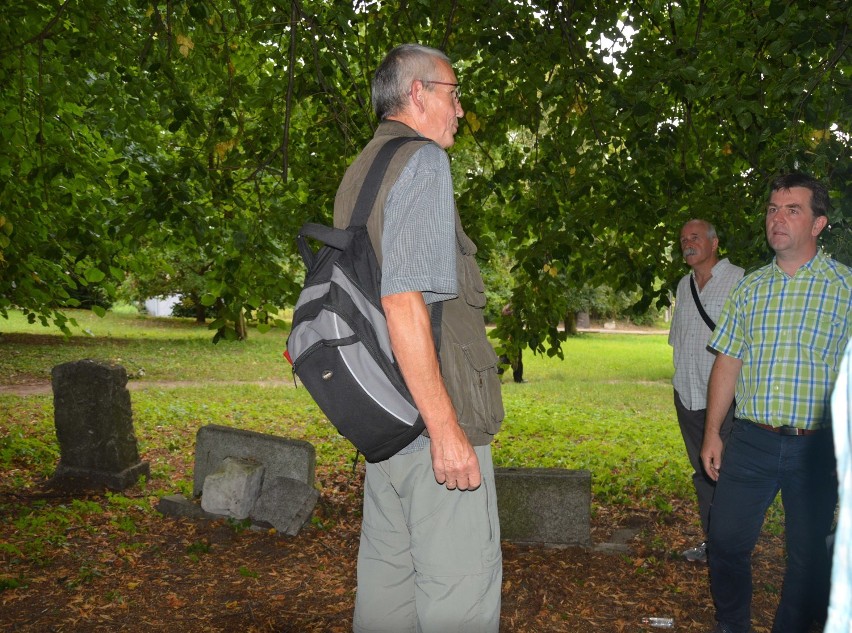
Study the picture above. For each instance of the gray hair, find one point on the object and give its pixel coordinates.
(711, 230)
(398, 70)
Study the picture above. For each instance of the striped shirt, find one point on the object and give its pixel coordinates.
(789, 333)
(689, 333)
(840, 609)
(419, 236)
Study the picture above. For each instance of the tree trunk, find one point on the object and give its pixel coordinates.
(240, 326)
(571, 323)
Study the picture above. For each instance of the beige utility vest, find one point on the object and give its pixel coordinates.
(468, 361)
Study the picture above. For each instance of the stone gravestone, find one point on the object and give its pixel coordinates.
(282, 457)
(94, 426)
(240, 474)
(547, 506)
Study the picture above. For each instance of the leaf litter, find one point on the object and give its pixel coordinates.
(191, 576)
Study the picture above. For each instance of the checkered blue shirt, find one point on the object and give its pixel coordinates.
(419, 234)
(790, 333)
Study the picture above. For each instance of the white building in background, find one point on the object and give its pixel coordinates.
(161, 306)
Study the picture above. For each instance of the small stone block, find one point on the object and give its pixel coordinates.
(233, 489)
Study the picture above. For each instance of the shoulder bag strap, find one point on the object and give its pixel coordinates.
(367, 198)
(700, 307)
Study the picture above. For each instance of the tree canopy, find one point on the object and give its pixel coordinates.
(181, 144)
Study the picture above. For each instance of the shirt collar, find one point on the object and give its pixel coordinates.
(815, 266)
(719, 266)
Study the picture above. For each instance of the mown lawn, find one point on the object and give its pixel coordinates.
(605, 407)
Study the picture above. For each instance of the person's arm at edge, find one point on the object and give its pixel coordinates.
(720, 394)
(453, 458)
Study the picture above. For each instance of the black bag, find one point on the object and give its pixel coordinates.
(339, 344)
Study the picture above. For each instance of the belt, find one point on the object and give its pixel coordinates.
(786, 430)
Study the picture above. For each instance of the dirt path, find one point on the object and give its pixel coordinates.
(42, 388)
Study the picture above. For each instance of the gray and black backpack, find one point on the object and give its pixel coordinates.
(339, 344)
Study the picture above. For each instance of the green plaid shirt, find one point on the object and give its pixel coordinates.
(790, 333)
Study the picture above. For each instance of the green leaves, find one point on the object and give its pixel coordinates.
(176, 148)
(94, 275)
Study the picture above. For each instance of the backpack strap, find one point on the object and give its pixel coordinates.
(435, 315)
(370, 189)
(367, 198)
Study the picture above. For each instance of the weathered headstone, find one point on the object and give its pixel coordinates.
(280, 456)
(265, 478)
(550, 506)
(94, 426)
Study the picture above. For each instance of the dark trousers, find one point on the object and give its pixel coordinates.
(692, 429)
(517, 367)
(756, 464)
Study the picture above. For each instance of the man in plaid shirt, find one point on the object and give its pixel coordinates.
(780, 341)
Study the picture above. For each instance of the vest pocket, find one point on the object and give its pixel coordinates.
(472, 286)
(475, 390)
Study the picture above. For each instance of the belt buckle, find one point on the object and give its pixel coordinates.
(790, 430)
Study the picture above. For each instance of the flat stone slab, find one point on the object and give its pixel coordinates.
(180, 506)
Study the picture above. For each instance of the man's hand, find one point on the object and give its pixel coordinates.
(711, 455)
(453, 459)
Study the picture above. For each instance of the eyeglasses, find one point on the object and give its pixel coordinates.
(455, 92)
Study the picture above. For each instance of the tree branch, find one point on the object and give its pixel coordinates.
(449, 28)
(700, 21)
(42, 35)
(288, 107)
(829, 64)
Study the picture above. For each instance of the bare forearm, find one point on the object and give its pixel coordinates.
(721, 391)
(410, 331)
(453, 459)
(720, 395)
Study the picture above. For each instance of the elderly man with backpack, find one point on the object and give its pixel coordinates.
(429, 557)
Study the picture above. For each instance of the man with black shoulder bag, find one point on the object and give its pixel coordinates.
(701, 295)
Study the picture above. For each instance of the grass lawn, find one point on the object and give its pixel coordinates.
(606, 407)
